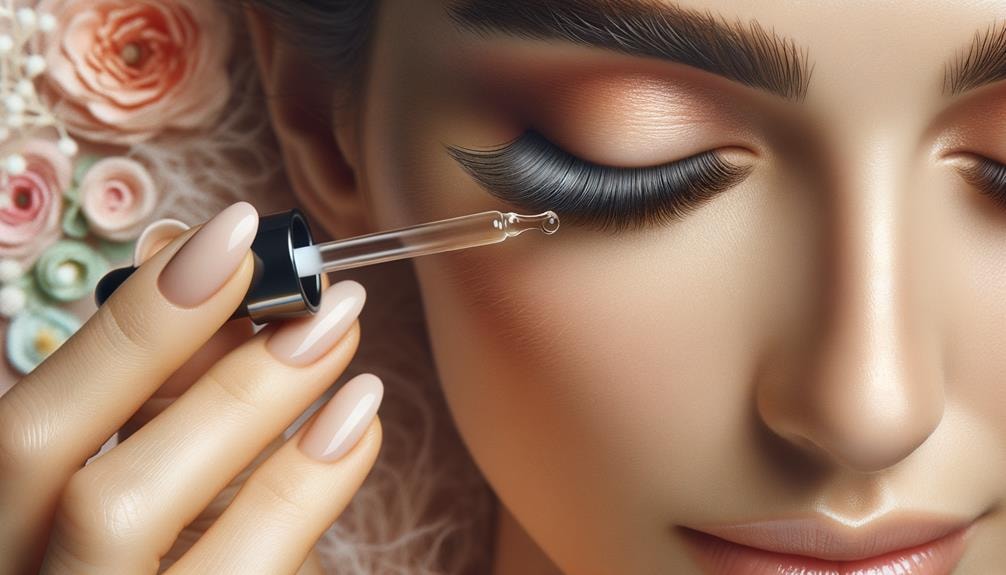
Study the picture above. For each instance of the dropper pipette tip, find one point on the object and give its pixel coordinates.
(547, 222)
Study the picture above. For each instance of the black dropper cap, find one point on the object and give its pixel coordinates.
(277, 291)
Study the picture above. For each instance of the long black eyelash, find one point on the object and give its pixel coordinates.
(535, 174)
(989, 177)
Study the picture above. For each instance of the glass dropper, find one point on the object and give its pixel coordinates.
(429, 238)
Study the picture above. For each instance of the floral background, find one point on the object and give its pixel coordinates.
(113, 113)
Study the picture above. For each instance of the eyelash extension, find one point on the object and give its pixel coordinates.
(989, 177)
(534, 173)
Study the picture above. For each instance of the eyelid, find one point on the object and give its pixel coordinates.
(966, 161)
(986, 175)
(638, 122)
(640, 137)
(625, 113)
(498, 151)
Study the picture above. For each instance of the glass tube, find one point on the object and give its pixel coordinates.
(430, 238)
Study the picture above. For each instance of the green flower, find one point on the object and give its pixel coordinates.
(35, 333)
(69, 270)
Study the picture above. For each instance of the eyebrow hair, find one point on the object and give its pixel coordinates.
(982, 63)
(747, 54)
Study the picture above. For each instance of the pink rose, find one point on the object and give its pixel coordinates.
(31, 220)
(127, 70)
(117, 196)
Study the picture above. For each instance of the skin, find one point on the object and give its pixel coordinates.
(150, 501)
(826, 336)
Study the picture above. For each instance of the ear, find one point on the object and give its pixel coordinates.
(318, 143)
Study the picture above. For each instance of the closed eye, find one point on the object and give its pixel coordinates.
(988, 176)
(535, 174)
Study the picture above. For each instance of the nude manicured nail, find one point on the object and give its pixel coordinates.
(303, 341)
(342, 421)
(209, 258)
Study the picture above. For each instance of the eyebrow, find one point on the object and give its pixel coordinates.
(981, 64)
(747, 54)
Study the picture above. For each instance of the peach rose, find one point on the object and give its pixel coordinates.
(117, 196)
(123, 71)
(31, 220)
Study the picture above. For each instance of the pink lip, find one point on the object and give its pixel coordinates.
(913, 544)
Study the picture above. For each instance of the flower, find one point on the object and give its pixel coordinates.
(117, 196)
(128, 69)
(21, 65)
(30, 218)
(35, 333)
(69, 270)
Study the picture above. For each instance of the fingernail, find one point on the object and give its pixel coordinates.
(154, 237)
(210, 258)
(303, 341)
(344, 418)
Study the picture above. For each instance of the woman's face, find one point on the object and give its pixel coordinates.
(822, 337)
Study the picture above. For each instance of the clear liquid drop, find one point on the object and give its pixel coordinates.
(514, 224)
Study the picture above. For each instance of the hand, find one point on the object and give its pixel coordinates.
(235, 394)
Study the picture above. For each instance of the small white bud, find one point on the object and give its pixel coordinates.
(15, 164)
(25, 88)
(12, 300)
(15, 121)
(46, 22)
(14, 103)
(34, 65)
(26, 18)
(4, 133)
(10, 270)
(6, 43)
(68, 147)
(67, 273)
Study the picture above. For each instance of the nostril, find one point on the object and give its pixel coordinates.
(872, 444)
(866, 428)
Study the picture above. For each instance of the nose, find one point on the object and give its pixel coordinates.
(865, 389)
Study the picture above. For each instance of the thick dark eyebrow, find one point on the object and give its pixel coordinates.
(982, 63)
(743, 53)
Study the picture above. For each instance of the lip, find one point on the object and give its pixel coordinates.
(915, 543)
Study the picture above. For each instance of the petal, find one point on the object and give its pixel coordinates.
(69, 270)
(35, 333)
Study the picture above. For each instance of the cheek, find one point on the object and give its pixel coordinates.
(608, 366)
(973, 261)
(602, 369)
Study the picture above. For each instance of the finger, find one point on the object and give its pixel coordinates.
(65, 409)
(195, 529)
(231, 335)
(127, 507)
(226, 340)
(292, 498)
(155, 237)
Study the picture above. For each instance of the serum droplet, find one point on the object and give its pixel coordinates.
(514, 224)
(550, 224)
